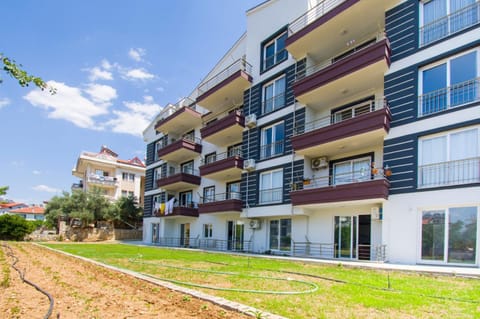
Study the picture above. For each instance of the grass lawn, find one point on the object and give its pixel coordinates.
(297, 289)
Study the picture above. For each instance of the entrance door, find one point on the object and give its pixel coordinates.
(352, 237)
(185, 235)
(234, 235)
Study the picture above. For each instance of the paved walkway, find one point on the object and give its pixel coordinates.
(446, 270)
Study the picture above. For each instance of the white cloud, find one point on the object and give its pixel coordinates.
(36, 172)
(102, 94)
(160, 89)
(45, 188)
(4, 102)
(136, 54)
(70, 104)
(137, 74)
(98, 74)
(106, 65)
(134, 120)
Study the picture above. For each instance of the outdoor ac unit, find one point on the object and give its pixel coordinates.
(319, 162)
(376, 213)
(251, 120)
(255, 224)
(249, 164)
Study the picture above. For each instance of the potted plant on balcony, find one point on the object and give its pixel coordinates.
(306, 181)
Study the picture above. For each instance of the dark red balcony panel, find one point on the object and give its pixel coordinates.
(234, 118)
(183, 211)
(190, 112)
(185, 144)
(228, 205)
(222, 165)
(238, 74)
(179, 178)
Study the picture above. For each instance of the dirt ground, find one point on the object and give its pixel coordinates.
(83, 290)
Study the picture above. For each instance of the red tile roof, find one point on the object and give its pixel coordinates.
(134, 161)
(9, 205)
(29, 210)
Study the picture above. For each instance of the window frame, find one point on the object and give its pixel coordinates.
(279, 235)
(277, 59)
(273, 148)
(209, 198)
(207, 231)
(261, 187)
(274, 97)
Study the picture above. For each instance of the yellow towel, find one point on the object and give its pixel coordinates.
(162, 208)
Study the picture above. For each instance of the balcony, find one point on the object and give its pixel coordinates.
(105, 181)
(450, 97)
(365, 126)
(221, 203)
(459, 172)
(179, 121)
(189, 209)
(270, 196)
(272, 150)
(339, 21)
(224, 166)
(226, 130)
(357, 70)
(226, 88)
(186, 148)
(342, 188)
(450, 24)
(177, 180)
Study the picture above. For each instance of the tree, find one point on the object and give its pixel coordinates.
(23, 78)
(128, 212)
(13, 227)
(3, 190)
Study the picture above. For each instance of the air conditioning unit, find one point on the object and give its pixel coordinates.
(249, 164)
(255, 224)
(251, 120)
(319, 162)
(377, 213)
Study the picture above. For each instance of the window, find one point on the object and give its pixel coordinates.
(185, 199)
(210, 158)
(209, 194)
(235, 150)
(449, 158)
(449, 84)
(100, 172)
(274, 95)
(207, 230)
(128, 177)
(187, 168)
(450, 235)
(351, 171)
(280, 234)
(157, 174)
(271, 186)
(233, 190)
(156, 204)
(353, 111)
(273, 51)
(272, 140)
(441, 18)
(161, 143)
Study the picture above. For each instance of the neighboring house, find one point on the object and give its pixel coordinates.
(8, 206)
(29, 212)
(343, 129)
(113, 176)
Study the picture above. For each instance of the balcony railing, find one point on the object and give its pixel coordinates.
(173, 108)
(272, 195)
(187, 137)
(171, 171)
(449, 97)
(457, 172)
(450, 24)
(218, 157)
(362, 175)
(365, 43)
(327, 251)
(274, 103)
(104, 180)
(313, 14)
(239, 65)
(205, 243)
(221, 197)
(271, 150)
(343, 115)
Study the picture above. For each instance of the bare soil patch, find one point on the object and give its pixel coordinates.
(84, 290)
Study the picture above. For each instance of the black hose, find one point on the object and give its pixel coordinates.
(22, 277)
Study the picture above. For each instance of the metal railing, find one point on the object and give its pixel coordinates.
(313, 14)
(450, 24)
(239, 65)
(171, 171)
(363, 175)
(104, 180)
(173, 108)
(343, 115)
(220, 116)
(274, 103)
(272, 195)
(449, 97)
(234, 152)
(221, 197)
(273, 149)
(463, 171)
(205, 243)
(364, 43)
(329, 251)
(187, 137)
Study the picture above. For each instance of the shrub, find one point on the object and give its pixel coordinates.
(14, 227)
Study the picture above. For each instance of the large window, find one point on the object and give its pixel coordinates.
(441, 18)
(187, 168)
(271, 186)
(274, 95)
(207, 230)
(273, 51)
(272, 140)
(209, 194)
(351, 171)
(233, 190)
(186, 199)
(281, 234)
(450, 83)
(449, 158)
(450, 235)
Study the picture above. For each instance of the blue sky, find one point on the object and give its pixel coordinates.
(114, 64)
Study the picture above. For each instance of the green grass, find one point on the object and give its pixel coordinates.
(5, 277)
(343, 292)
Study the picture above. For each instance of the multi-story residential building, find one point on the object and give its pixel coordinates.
(344, 129)
(114, 177)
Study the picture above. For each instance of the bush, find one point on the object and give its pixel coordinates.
(14, 227)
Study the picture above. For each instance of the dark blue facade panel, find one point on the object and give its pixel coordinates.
(401, 27)
(400, 154)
